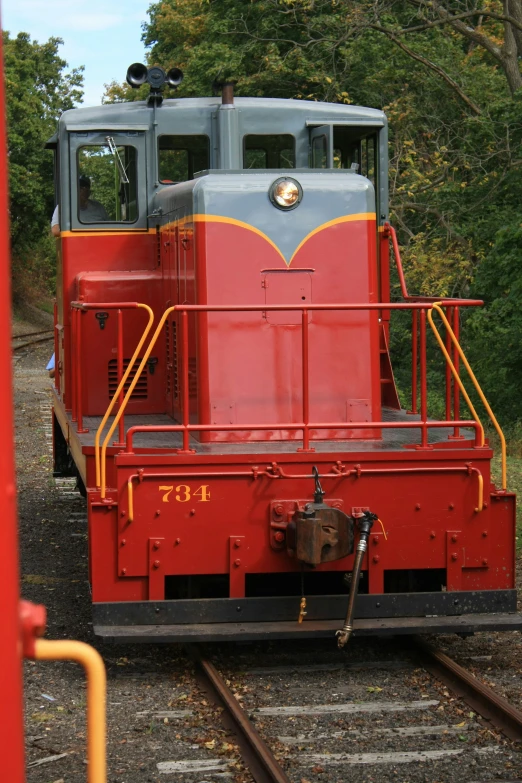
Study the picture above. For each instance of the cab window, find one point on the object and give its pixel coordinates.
(107, 183)
(368, 162)
(352, 151)
(180, 157)
(269, 151)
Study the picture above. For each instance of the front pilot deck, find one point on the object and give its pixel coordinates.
(391, 440)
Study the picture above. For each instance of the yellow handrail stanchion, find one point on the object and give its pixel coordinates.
(456, 376)
(91, 661)
(437, 307)
(127, 397)
(130, 497)
(480, 506)
(119, 390)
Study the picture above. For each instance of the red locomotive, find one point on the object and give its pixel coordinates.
(225, 389)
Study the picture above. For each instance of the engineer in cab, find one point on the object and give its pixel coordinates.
(91, 211)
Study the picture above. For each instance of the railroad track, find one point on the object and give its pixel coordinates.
(21, 341)
(333, 717)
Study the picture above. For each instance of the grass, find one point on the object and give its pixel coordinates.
(47, 306)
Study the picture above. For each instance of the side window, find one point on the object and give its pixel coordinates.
(107, 183)
(368, 162)
(269, 152)
(180, 157)
(346, 148)
(319, 152)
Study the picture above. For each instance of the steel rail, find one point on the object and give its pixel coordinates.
(255, 752)
(30, 342)
(478, 696)
(31, 334)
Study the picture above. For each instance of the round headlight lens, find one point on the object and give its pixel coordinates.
(286, 193)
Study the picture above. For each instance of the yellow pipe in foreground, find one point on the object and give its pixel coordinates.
(479, 391)
(91, 661)
(119, 390)
(454, 370)
(127, 397)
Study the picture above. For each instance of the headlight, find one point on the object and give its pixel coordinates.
(286, 193)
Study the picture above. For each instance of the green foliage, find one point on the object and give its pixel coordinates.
(38, 90)
(495, 331)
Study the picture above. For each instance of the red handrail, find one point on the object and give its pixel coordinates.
(389, 232)
(295, 427)
(305, 425)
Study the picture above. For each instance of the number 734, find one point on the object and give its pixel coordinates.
(184, 493)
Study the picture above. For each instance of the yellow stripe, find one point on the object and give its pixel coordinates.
(241, 224)
(232, 221)
(337, 221)
(220, 219)
(114, 232)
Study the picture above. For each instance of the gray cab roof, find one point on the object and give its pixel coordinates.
(139, 113)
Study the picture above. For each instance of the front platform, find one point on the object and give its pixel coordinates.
(149, 442)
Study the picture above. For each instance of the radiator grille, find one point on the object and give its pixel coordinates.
(175, 377)
(140, 390)
(193, 377)
(168, 355)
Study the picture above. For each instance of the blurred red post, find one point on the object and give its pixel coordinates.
(11, 647)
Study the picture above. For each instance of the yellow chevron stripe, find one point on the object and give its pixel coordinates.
(241, 224)
(366, 216)
(115, 232)
(336, 222)
(232, 221)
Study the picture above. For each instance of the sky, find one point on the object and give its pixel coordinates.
(102, 35)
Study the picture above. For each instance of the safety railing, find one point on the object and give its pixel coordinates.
(452, 395)
(305, 426)
(454, 370)
(275, 471)
(77, 308)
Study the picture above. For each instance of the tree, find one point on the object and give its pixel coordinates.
(38, 90)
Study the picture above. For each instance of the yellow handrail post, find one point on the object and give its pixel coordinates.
(118, 391)
(456, 375)
(46, 650)
(480, 505)
(134, 381)
(130, 497)
(437, 307)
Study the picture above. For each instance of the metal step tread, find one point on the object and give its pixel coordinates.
(466, 623)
